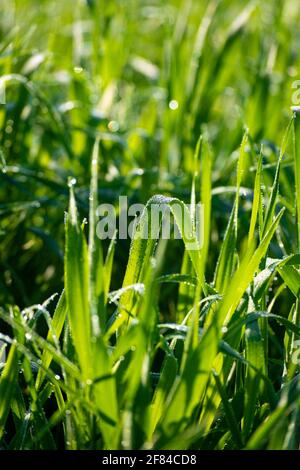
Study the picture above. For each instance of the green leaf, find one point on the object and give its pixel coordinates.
(76, 287)
(95, 255)
(8, 380)
(255, 356)
(143, 245)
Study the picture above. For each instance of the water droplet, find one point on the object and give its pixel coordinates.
(72, 182)
(28, 336)
(113, 126)
(173, 105)
(78, 70)
(295, 109)
(57, 377)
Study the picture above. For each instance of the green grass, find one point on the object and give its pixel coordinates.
(149, 345)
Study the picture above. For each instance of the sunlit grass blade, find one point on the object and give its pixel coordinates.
(255, 355)
(95, 256)
(143, 244)
(226, 258)
(57, 327)
(256, 200)
(8, 379)
(76, 286)
(275, 188)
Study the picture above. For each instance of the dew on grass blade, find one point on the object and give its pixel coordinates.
(173, 105)
(71, 182)
(2, 162)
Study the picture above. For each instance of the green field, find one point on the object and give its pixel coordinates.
(150, 343)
